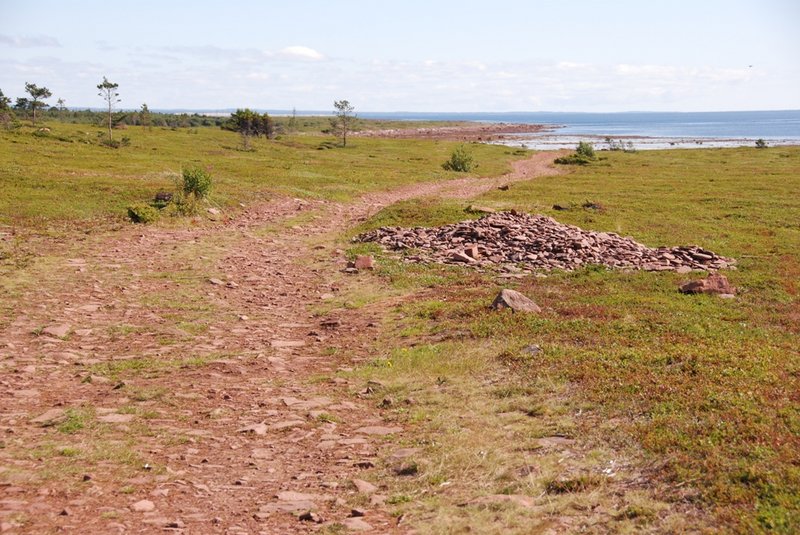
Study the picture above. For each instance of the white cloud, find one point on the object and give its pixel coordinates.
(301, 52)
(37, 41)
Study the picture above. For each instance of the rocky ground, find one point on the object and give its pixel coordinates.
(158, 379)
(511, 239)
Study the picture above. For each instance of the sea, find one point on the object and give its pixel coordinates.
(637, 130)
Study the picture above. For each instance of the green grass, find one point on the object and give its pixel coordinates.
(69, 176)
(707, 387)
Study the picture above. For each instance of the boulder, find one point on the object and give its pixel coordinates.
(515, 301)
(364, 262)
(713, 284)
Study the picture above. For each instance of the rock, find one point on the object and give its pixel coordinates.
(50, 418)
(57, 331)
(480, 209)
(356, 524)
(403, 453)
(512, 239)
(364, 262)
(472, 252)
(115, 418)
(378, 430)
(713, 284)
(213, 211)
(254, 429)
(364, 487)
(515, 301)
(310, 516)
(458, 256)
(143, 506)
(216, 282)
(356, 512)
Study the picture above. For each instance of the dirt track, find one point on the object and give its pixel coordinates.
(222, 429)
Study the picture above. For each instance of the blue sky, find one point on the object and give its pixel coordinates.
(577, 55)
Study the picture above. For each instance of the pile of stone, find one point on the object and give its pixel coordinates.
(535, 242)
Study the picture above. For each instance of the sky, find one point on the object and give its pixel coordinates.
(409, 55)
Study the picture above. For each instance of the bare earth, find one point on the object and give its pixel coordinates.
(235, 432)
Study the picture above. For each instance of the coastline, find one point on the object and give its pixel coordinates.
(547, 137)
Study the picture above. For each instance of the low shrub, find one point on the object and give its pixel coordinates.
(461, 160)
(761, 144)
(583, 155)
(196, 182)
(142, 213)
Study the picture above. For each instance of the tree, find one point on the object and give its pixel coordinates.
(343, 120)
(38, 95)
(6, 115)
(144, 116)
(22, 104)
(250, 124)
(108, 91)
(60, 102)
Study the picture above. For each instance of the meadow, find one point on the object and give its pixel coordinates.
(67, 175)
(624, 406)
(704, 392)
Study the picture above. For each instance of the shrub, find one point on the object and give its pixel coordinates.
(461, 160)
(761, 144)
(196, 182)
(582, 156)
(142, 213)
(585, 150)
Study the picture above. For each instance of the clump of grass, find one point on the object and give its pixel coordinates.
(582, 483)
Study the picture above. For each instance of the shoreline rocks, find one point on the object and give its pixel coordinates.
(537, 242)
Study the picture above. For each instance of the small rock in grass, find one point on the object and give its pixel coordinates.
(515, 301)
(364, 487)
(364, 262)
(143, 506)
(356, 524)
(50, 418)
(57, 331)
(713, 284)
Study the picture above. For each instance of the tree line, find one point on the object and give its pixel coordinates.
(247, 123)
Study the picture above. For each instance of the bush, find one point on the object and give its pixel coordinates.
(196, 182)
(461, 160)
(585, 150)
(582, 156)
(142, 213)
(761, 144)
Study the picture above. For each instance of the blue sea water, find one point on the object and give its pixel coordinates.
(641, 130)
(729, 124)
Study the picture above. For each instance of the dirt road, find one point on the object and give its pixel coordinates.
(159, 379)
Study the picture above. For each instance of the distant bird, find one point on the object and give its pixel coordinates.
(750, 66)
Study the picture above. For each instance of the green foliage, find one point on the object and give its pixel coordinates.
(583, 155)
(250, 124)
(343, 120)
(585, 150)
(38, 96)
(761, 144)
(142, 213)
(461, 160)
(196, 183)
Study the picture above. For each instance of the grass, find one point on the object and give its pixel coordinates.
(68, 176)
(705, 389)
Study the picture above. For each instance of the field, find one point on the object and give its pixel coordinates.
(624, 406)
